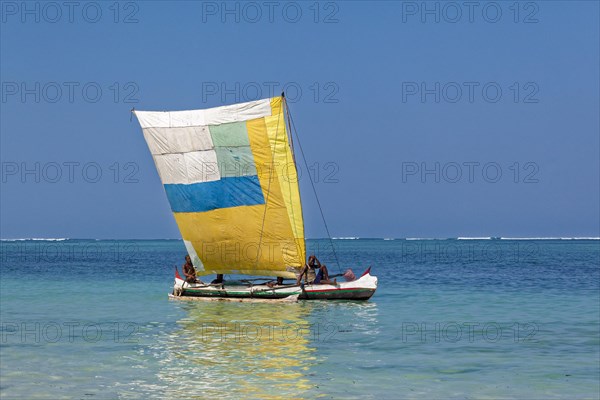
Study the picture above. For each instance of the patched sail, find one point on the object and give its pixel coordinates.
(230, 177)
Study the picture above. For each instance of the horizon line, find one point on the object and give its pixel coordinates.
(344, 238)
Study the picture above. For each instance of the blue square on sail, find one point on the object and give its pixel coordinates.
(226, 192)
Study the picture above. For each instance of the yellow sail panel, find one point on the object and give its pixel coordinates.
(229, 240)
(229, 176)
(286, 170)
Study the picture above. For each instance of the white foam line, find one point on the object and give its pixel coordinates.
(36, 239)
(550, 238)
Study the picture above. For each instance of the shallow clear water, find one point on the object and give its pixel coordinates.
(451, 319)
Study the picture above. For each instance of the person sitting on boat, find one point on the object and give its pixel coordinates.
(321, 277)
(278, 283)
(218, 280)
(189, 271)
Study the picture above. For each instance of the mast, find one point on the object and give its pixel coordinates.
(291, 141)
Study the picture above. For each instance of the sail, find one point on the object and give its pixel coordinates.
(232, 184)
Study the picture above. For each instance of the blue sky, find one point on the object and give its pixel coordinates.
(437, 122)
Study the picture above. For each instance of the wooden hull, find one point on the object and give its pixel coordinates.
(360, 289)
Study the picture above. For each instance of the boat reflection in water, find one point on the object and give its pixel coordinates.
(235, 350)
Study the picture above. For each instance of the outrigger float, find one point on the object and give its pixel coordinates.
(231, 178)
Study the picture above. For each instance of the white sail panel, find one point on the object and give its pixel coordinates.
(171, 168)
(178, 140)
(188, 168)
(212, 116)
(202, 166)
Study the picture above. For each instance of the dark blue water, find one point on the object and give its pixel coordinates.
(451, 319)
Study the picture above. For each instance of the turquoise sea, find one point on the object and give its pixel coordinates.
(486, 319)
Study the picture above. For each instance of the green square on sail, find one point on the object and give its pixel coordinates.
(230, 135)
(235, 161)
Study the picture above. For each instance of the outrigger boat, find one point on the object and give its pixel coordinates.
(231, 178)
(360, 289)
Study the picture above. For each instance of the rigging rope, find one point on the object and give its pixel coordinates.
(313, 185)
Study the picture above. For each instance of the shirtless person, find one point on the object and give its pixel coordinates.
(189, 271)
(322, 276)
